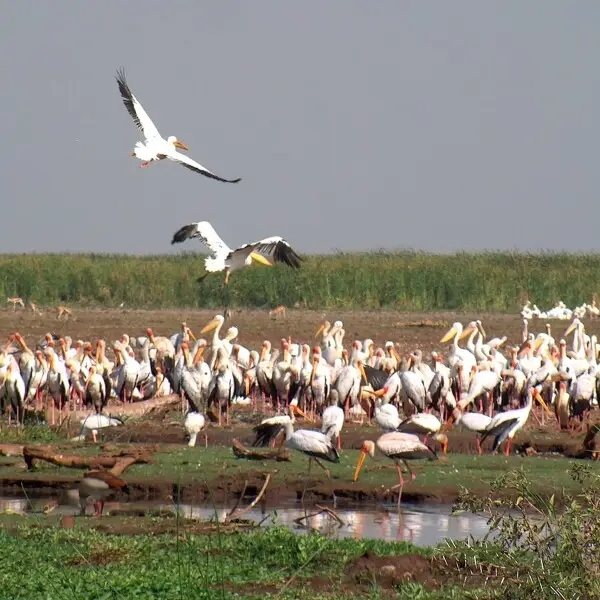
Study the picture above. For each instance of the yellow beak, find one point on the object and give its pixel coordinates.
(362, 372)
(191, 334)
(212, 325)
(359, 464)
(451, 333)
(466, 332)
(319, 330)
(538, 342)
(260, 259)
(181, 145)
(538, 397)
(571, 328)
(396, 354)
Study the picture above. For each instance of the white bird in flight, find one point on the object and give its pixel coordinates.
(155, 147)
(226, 259)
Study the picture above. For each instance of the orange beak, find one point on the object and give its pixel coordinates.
(180, 144)
(359, 464)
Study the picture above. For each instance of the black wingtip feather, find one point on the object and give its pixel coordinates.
(184, 233)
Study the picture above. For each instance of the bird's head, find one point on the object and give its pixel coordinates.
(368, 447)
(442, 440)
(177, 143)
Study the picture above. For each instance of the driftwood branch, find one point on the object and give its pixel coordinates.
(236, 512)
(11, 449)
(240, 451)
(322, 509)
(75, 461)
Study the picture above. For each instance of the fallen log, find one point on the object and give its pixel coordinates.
(75, 461)
(240, 451)
(11, 449)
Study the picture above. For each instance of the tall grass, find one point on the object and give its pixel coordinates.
(491, 281)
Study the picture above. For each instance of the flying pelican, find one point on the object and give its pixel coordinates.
(228, 260)
(155, 146)
(398, 447)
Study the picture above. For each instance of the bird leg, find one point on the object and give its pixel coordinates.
(326, 473)
(205, 437)
(306, 481)
(98, 505)
(339, 441)
(479, 450)
(227, 275)
(145, 164)
(507, 449)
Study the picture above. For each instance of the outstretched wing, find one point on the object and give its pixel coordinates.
(134, 108)
(275, 248)
(205, 232)
(188, 163)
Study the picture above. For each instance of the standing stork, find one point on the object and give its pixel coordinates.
(398, 447)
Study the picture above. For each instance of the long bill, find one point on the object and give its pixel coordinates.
(359, 464)
(210, 326)
(449, 335)
(540, 400)
(260, 259)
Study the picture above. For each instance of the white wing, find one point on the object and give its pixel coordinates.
(205, 232)
(275, 248)
(188, 163)
(134, 108)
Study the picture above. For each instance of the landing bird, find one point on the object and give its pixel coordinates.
(155, 147)
(228, 260)
(98, 485)
(398, 447)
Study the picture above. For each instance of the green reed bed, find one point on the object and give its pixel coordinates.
(491, 281)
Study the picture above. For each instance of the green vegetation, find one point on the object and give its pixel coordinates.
(85, 563)
(443, 478)
(401, 281)
(534, 551)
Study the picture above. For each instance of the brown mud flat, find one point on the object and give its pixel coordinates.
(411, 330)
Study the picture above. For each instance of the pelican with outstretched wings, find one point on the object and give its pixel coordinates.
(155, 147)
(267, 251)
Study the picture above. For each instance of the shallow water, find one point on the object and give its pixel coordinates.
(425, 525)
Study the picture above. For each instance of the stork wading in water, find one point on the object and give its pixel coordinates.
(314, 444)
(155, 147)
(399, 447)
(224, 258)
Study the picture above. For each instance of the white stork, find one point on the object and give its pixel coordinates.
(225, 259)
(155, 147)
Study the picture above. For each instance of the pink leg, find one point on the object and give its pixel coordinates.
(479, 450)
(339, 442)
(507, 450)
(145, 164)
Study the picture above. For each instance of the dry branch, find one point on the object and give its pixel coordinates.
(75, 461)
(11, 449)
(236, 512)
(240, 451)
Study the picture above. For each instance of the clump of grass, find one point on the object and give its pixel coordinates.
(411, 281)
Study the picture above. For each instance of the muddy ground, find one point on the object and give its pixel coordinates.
(410, 330)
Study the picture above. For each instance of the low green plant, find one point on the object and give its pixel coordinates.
(534, 548)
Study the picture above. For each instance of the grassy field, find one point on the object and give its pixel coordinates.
(405, 281)
(86, 563)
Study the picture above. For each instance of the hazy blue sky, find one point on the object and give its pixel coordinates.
(354, 125)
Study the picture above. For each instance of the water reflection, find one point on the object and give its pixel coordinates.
(425, 525)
